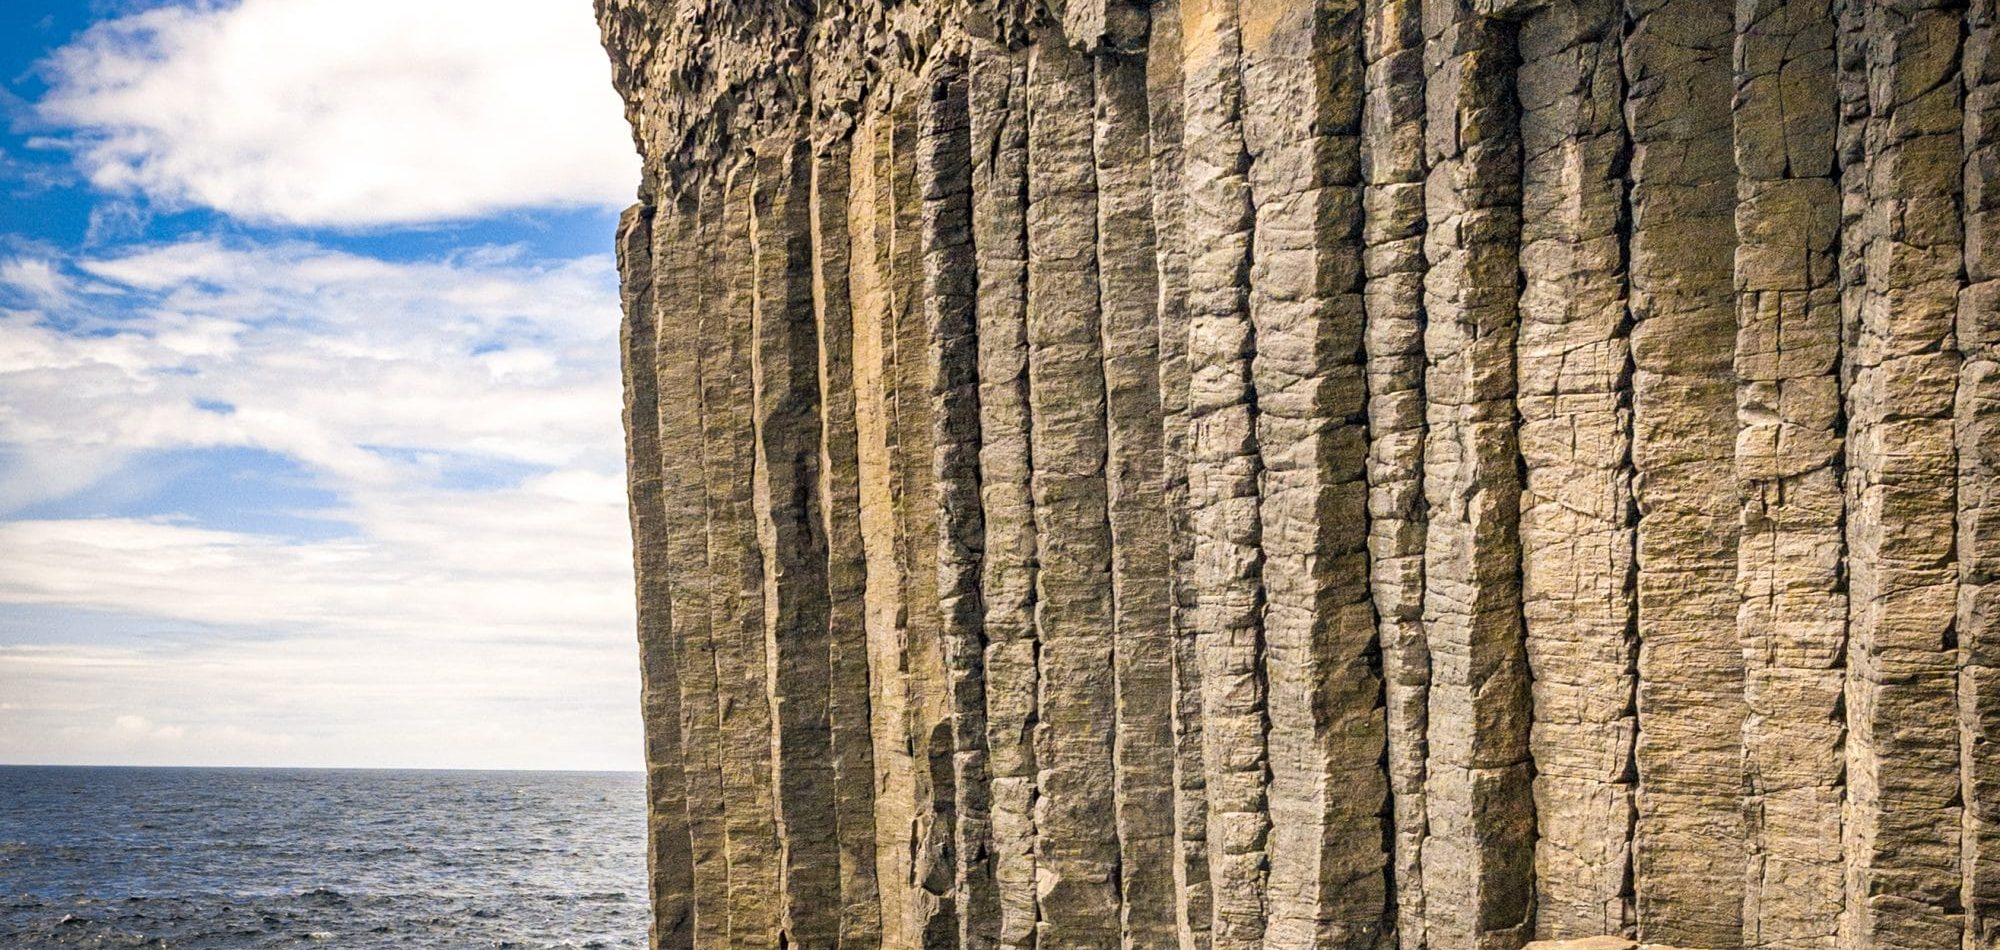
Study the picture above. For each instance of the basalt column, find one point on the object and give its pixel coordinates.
(1354, 474)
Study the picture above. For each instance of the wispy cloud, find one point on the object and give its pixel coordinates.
(346, 112)
(324, 356)
(315, 491)
(462, 412)
(37, 279)
(320, 701)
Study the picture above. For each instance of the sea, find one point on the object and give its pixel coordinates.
(328, 858)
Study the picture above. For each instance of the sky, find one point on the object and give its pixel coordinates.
(309, 394)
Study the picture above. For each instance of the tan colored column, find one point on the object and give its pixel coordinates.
(1688, 851)
(680, 233)
(1164, 95)
(846, 570)
(1142, 640)
(921, 651)
(1574, 361)
(1224, 589)
(1792, 614)
(784, 379)
(997, 93)
(871, 222)
(944, 174)
(1977, 427)
(669, 852)
(1478, 858)
(1903, 813)
(1077, 854)
(1302, 91)
(1392, 161)
(736, 594)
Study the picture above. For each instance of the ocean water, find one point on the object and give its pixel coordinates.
(232, 858)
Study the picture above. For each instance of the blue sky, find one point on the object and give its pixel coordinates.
(309, 447)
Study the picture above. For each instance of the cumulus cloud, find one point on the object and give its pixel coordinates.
(346, 112)
(452, 420)
(463, 412)
(351, 364)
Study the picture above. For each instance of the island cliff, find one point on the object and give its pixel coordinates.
(1215, 474)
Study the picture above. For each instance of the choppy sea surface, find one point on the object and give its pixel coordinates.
(234, 858)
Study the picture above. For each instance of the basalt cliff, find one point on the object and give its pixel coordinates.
(1293, 474)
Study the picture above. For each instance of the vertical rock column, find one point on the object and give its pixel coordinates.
(735, 567)
(679, 288)
(1903, 812)
(872, 224)
(1688, 852)
(1393, 167)
(999, 133)
(1242, 474)
(1792, 615)
(1978, 436)
(1302, 93)
(669, 854)
(784, 362)
(1129, 299)
(1574, 364)
(1478, 855)
(1165, 101)
(951, 280)
(1077, 848)
(922, 119)
(1225, 564)
(848, 717)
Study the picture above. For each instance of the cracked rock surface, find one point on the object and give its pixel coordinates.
(1295, 474)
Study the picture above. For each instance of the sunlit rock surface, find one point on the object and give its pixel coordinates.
(1221, 474)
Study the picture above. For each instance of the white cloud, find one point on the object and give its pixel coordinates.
(524, 564)
(348, 112)
(327, 357)
(455, 632)
(39, 280)
(322, 702)
(462, 410)
(464, 621)
(143, 729)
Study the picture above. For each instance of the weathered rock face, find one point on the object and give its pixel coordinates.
(1218, 474)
